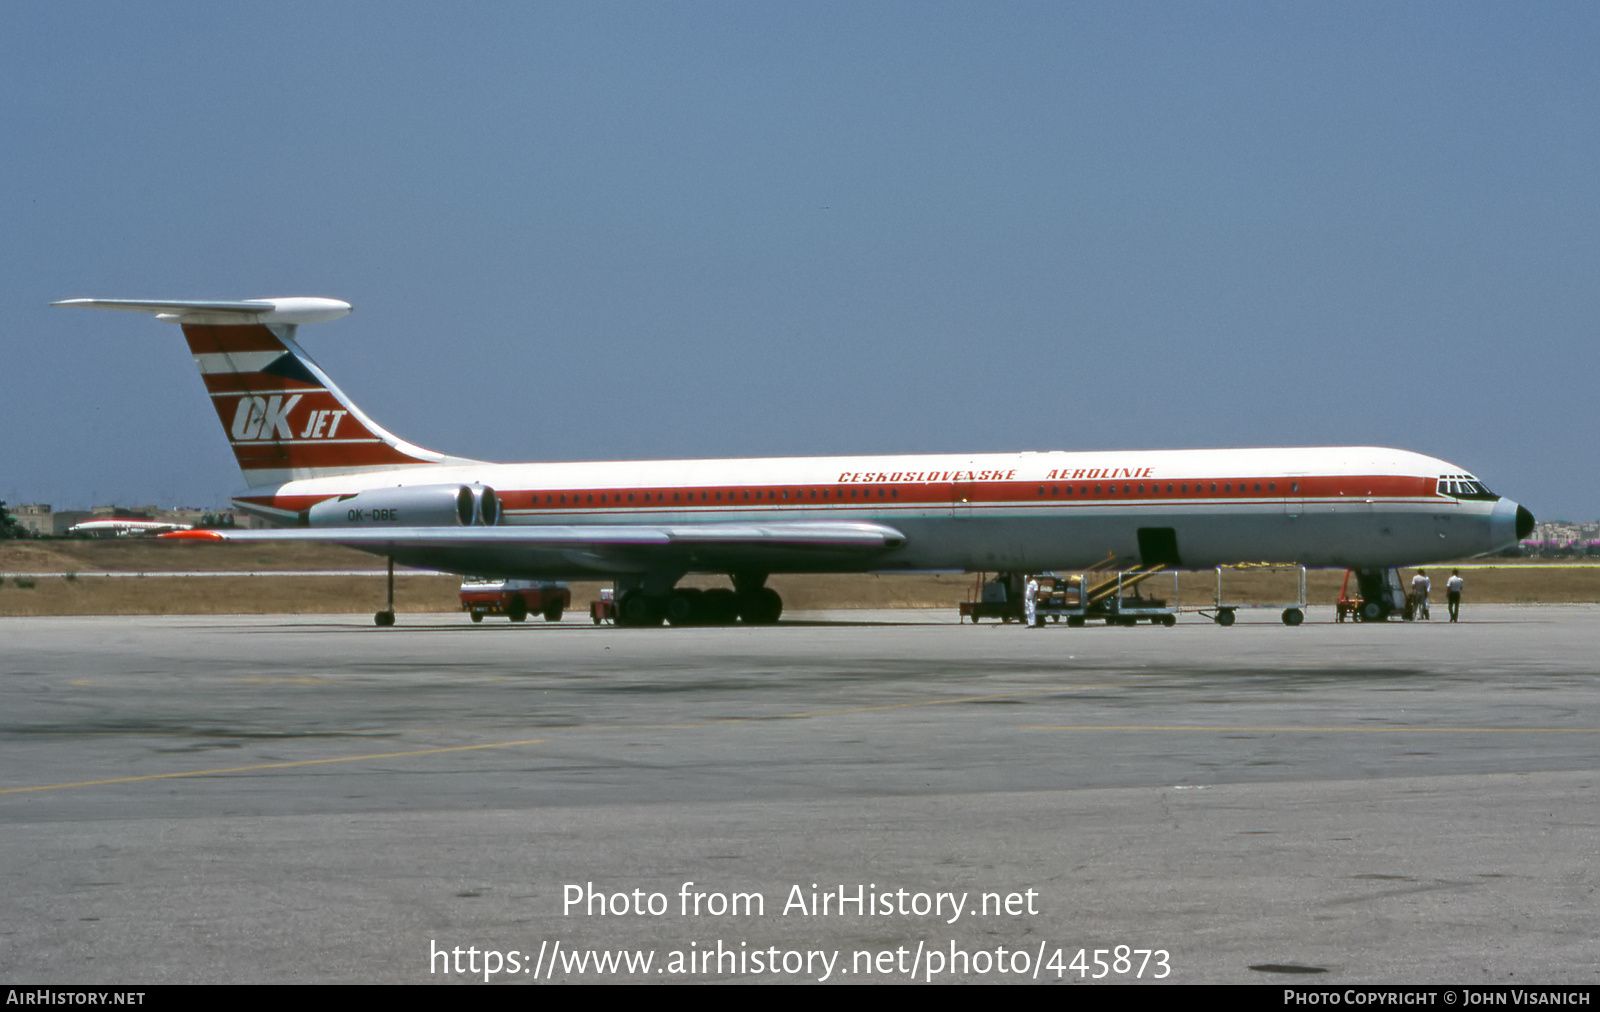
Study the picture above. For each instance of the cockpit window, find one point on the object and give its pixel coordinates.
(1464, 486)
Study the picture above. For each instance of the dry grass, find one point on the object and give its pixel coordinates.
(1510, 582)
(150, 555)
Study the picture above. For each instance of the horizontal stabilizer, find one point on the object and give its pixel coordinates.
(294, 310)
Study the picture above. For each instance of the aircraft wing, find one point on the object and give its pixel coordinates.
(802, 534)
(620, 547)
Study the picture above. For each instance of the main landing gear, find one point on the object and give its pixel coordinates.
(749, 601)
(385, 618)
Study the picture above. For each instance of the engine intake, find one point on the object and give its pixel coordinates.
(413, 506)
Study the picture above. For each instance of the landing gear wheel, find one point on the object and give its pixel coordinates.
(1371, 611)
(683, 607)
(719, 606)
(1293, 616)
(383, 619)
(761, 606)
(477, 616)
(1225, 617)
(638, 609)
(518, 610)
(552, 612)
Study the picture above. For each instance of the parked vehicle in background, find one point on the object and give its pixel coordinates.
(515, 599)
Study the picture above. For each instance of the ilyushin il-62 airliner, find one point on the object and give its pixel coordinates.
(316, 464)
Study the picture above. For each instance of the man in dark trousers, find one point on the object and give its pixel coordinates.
(1453, 593)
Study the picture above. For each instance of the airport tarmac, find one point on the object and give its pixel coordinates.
(313, 799)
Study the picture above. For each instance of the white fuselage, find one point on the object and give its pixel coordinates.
(316, 462)
(1029, 512)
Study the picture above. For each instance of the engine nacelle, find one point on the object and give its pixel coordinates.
(409, 506)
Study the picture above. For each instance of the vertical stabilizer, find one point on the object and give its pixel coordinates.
(282, 415)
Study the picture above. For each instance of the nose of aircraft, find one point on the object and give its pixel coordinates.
(1524, 522)
(1508, 524)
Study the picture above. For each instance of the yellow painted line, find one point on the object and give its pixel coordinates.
(539, 741)
(298, 680)
(853, 709)
(274, 766)
(1390, 729)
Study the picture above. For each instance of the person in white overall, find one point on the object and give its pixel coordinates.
(1030, 595)
(1420, 585)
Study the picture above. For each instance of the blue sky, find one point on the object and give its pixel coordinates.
(594, 231)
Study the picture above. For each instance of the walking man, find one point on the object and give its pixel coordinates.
(1453, 593)
(1420, 585)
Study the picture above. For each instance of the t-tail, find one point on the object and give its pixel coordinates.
(283, 416)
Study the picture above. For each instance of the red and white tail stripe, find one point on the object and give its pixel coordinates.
(283, 417)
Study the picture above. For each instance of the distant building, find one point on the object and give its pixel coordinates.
(43, 522)
(1563, 537)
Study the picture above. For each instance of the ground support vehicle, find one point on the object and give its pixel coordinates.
(999, 598)
(515, 599)
(1114, 598)
(1294, 612)
(1098, 593)
(605, 609)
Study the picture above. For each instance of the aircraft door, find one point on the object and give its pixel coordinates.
(1294, 496)
(1158, 546)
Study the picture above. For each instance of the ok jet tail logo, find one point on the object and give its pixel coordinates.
(263, 417)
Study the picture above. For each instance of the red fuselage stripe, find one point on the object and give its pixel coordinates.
(1340, 488)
